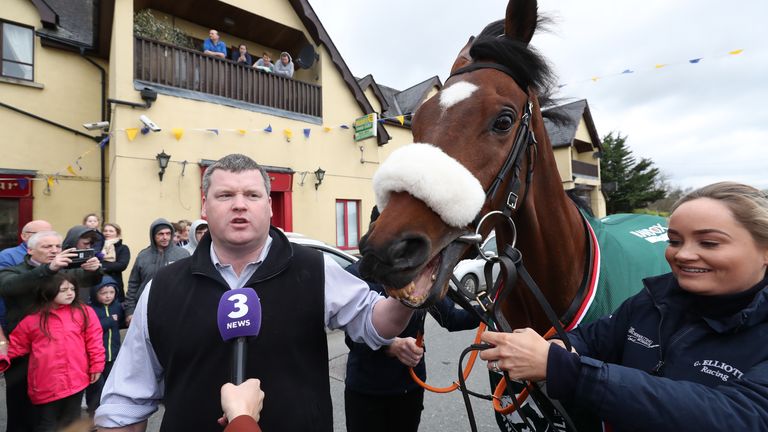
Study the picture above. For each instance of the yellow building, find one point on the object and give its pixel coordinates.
(72, 63)
(577, 149)
(75, 64)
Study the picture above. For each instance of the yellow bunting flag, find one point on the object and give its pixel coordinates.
(177, 133)
(288, 134)
(241, 131)
(594, 79)
(71, 170)
(401, 119)
(736, 52)
(50, 181)
(326, 129)
(131, 133)
(659, 66)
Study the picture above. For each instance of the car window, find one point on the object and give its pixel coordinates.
(340, 259)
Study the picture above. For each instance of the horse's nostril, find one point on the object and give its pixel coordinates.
(409, 251)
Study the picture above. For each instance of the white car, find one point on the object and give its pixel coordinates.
(470, 273)
(344, 259)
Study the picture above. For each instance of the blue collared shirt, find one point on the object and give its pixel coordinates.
(220, 46)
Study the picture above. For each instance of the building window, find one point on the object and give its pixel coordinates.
(17, 51)
(347, 223)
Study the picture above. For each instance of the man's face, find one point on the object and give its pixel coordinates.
(266, 58)
(243, 49)
(238, 210)
(200, 232)
(214, 35)
(46, 249)
(163, 238)
(84, 243)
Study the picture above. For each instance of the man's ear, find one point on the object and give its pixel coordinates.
(202, 210)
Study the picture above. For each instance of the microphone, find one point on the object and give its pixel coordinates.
(239, 316)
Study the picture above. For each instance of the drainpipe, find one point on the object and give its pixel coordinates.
(102, 151)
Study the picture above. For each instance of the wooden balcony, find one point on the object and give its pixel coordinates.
(173, 66)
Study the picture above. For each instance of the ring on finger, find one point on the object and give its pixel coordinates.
(495, 366)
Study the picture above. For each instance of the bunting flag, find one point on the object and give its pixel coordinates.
(71, 170)
(131, 133)
(144, 130)
(401, 119)
(268, 129)
(344, 126)
(657, 66)
(177, 133)
(104, 142)
(23, 182)
(216, 131)
(327, 129)
(241, 131)
(288, 134)
(307, 131)
(49, 180)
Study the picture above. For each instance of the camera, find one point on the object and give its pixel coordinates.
(82, 255)
(104, 125)
(149, 123)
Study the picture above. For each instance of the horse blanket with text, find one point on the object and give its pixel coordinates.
(630, 247)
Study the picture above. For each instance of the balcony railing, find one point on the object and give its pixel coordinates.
(173, 66)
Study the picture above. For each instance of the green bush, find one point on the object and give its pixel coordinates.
(148, 26)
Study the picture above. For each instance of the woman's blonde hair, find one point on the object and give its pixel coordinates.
(748, 205)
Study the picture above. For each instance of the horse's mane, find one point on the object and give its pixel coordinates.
(531, 70)
(580, 202)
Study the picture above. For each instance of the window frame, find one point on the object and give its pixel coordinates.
(345, 201)
(3, 23)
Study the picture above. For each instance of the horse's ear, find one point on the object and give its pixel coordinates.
(521, 18)
(464, 58)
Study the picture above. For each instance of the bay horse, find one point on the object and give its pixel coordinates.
(478, 144)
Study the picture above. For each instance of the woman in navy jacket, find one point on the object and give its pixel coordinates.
(687, 353)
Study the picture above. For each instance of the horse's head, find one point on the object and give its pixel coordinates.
(430, 194)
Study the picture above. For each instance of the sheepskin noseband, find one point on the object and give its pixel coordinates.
(432, 176)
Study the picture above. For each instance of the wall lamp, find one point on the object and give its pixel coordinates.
(319, 175)
(162, 162)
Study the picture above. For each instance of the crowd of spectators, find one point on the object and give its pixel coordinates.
(213, 46)
(64, 304)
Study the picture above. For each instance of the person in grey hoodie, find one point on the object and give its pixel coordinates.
(160, 252)
(284, 66)
(196, 231)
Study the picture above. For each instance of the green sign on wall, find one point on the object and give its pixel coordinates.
(365, 126)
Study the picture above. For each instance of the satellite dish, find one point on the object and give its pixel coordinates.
(307, 57)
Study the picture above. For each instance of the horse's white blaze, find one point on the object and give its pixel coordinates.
(432, 176)
(456, 93)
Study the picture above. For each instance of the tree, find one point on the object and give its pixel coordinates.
(637, 183)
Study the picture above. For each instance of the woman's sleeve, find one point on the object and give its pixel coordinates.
(243, 423)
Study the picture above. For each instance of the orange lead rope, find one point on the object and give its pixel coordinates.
(467, 369)
(500, 387)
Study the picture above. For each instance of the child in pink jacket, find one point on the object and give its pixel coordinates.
(64, 341)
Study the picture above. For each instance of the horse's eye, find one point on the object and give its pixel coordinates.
(503, 123)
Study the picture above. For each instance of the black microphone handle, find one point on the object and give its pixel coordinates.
(238, 360)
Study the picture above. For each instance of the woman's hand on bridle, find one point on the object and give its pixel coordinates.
(522, 353)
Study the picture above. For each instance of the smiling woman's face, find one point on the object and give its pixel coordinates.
(710, 252)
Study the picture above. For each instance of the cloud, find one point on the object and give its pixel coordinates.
(699, 122)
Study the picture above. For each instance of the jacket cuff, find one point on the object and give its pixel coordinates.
(563, 370)
(243, 423)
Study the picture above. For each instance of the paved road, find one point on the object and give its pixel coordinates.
(442, 412)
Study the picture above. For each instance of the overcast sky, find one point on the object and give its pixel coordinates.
(699, 123)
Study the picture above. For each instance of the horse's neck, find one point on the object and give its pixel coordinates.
(552, 240)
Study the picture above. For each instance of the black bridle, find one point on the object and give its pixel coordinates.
(523, 143)
(509, 258)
